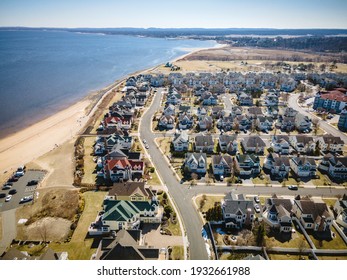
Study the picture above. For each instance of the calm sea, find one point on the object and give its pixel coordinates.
(42, 72)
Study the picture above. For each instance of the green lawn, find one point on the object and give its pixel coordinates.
(322, 181)
(79, 248)
(293, 240)
(209, 201)
(336, 243)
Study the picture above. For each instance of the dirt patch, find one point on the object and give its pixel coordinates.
(52, 229)
(57, 203)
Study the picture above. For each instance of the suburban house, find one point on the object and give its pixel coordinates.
(238, 212)
(330, 143)
(247, 165)
(245, 99)
(127, 245)
(280, 144)
(277, 213)
(181, 141)
(302, 123)
(125, 207)
(312, 215)
(169, 110)
(125, 142)
(226, 123)
(271, 99)
(255, 112)
(340, 208)
(196, 163)
(209, 99)
(205, 122)
(166, 122)
(331, 101)
(303, 144)
(185, 121)
(228, 143)
(264, 123)
(111, 123)
(279, 166)
(122, 169)
(303, 167)
(286, 123)
(335, 167)
(204, 143)
(217, 112)
(253, 144)
(173, 97)
(202, 111)
(222, 165)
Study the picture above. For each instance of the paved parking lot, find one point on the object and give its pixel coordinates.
(22, 189)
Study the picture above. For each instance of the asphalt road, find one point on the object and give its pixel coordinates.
(292, 102)
(190, 216)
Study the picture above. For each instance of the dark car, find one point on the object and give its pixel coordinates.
(2, 195)
(32, 182)
(6, 187)
(13, 179)
(13, 191)
(9, 183)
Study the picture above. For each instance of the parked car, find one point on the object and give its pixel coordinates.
(32, 182)
(257, 208)
(9, 183)
(221, 177)
(26, 199)
(6, 187)
(146, 146)
(256, 199)
(2, 195)
(13, 179)
(13, 191)
(19, 173)
(144, 141)
(8, 198)
(292, 187)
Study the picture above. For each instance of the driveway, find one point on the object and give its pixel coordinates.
(153, 237)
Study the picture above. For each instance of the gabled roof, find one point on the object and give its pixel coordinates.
(195, 157)
(182, 137)
(330, 139)
(225, 160)
(130, 188)
(303, 161)
(204, 140)
(225, 138)
(254, 141)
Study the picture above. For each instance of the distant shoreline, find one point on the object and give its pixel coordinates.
(31, 142)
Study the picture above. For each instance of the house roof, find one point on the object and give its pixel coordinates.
(243, 158)
(317, 209)
(225, 138)
(303, 139)
(131, 188)
(253, 141)
(330, 139)
(222, 159)
(303, 160)
(125, 247)
(204, 140)
(278, 161)
(238, 206)
(338, 94)
(181, 137)
(255, 111)
(195, 157)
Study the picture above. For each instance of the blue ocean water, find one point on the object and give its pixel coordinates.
(42, 72)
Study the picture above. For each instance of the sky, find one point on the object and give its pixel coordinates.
(175, 13)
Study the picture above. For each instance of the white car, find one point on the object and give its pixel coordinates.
(144, 141)
(256, 199)
(8, 198)
(257, 208)
(26, 199)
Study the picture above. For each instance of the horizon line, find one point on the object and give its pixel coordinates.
(206, 28)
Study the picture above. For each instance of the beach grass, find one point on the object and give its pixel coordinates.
(89, 164)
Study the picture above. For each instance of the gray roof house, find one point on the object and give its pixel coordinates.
(247, 165)
(253, 144)
(196, 162)
(237, 211)
(228, 143)
(222, 165)
(303, 167)
(279, 166)
(277, 213)
(335, 167)
(204, 143)
(181, 141)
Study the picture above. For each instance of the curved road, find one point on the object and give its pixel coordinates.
(190, 216)
(182, 195)
(293, 102)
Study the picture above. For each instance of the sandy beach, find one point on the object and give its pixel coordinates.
(44, 136)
